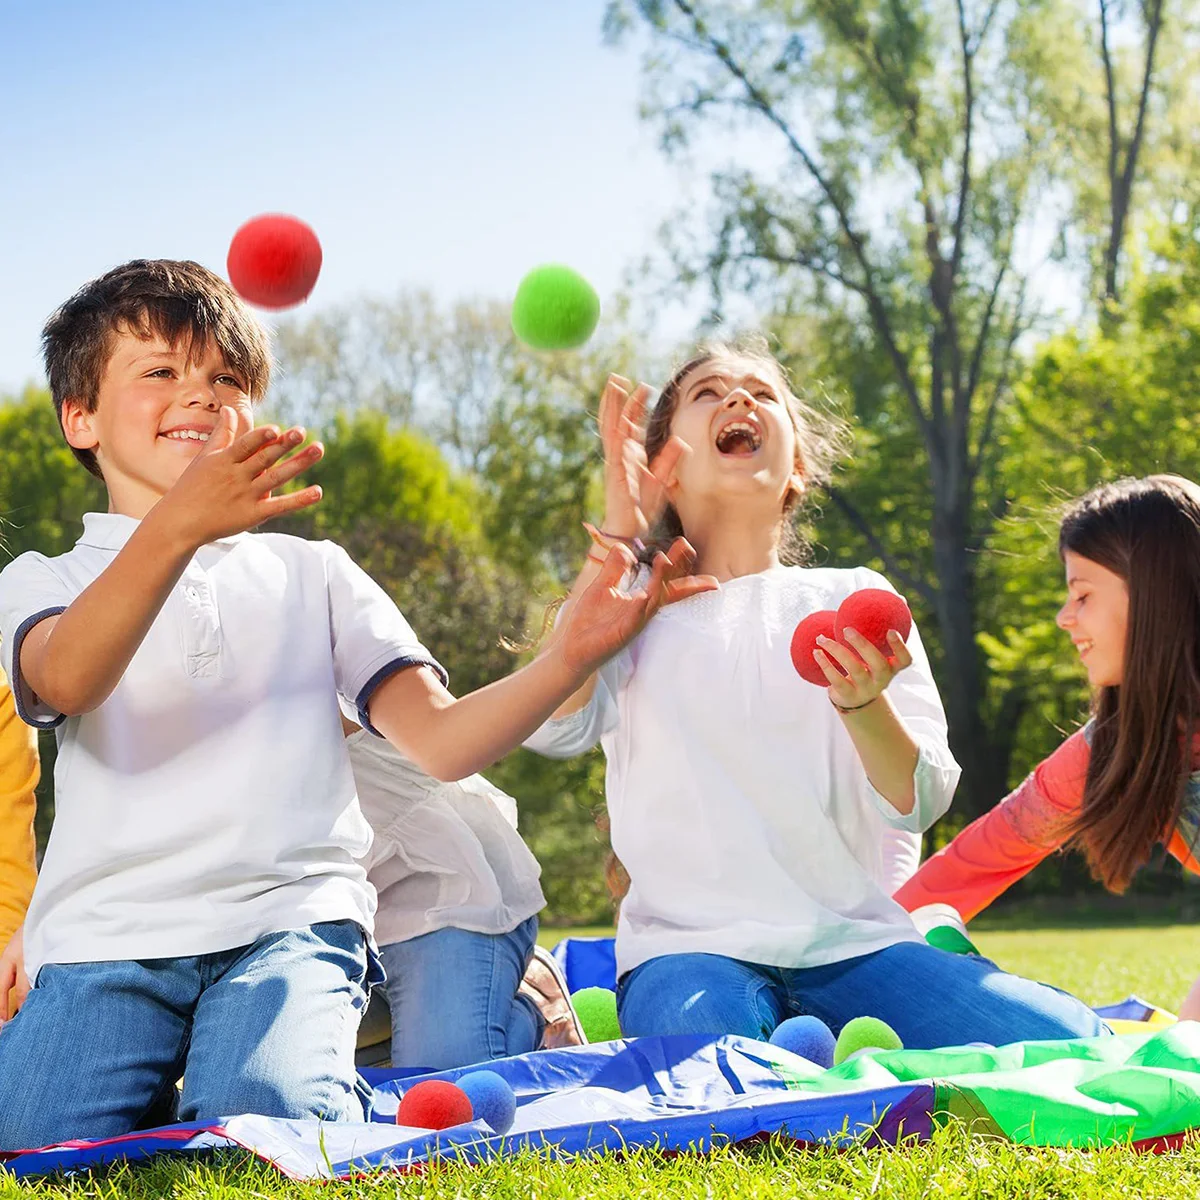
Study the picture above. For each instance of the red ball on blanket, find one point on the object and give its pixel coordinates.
(274, 261)
(804, 642)
(872, 612)
(434, 1104)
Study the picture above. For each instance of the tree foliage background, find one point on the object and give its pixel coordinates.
(977, 236)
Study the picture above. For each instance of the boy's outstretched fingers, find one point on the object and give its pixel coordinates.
(671, 577)
(276, 506)
(287, 470)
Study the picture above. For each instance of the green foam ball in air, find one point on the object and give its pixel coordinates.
(555, 308)
(596, 1008)
(865, 1033)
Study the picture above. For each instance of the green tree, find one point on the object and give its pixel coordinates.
(1092, 405)
(919, 171)
(44, 489)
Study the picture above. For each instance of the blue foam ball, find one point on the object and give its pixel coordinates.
(808, 1037)
(492, 1099)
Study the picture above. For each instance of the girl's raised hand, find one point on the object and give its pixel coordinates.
(634, 488)
(605, 617)
(864, 674)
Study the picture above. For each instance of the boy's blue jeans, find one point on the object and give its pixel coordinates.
(266, 1028)
(930, 997)
(453, 997)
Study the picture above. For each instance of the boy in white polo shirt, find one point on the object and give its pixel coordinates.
(201, 909)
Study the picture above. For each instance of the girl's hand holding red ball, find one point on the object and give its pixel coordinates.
(865, 670)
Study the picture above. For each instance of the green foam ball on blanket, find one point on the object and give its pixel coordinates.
(865, 1033)
(596, 1008)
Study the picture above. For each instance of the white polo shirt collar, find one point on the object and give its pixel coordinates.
(110, 531)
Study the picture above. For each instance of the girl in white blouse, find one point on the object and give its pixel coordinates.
(749, 807)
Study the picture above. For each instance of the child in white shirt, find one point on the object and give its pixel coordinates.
(747, 806)
(202, 910)
(456, 921)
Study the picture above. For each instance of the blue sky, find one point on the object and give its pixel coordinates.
(443, 143)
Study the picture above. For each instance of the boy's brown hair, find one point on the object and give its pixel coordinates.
(175, 300)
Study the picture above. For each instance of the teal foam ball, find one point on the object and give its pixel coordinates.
(596, 1008)
(808, 1037)
(865, 1033)
(492, 1099)
(555, 308)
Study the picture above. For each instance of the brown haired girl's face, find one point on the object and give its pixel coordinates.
(1096, 616)
(734, 418)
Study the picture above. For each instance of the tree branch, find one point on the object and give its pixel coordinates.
(964, 177)
(911, 583)
(875, 303)
(984, 329)
(985, 26)
(798, 260)
(975, 462)
(1121, 176)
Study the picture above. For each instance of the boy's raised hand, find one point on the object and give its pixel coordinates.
(605, 617)
(227, 488)
(634, 488)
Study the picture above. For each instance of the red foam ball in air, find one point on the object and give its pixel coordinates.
(804, 642)
(872, 612)
(274, 261)
(434, 1104)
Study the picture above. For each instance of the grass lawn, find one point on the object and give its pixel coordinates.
(1097, 963)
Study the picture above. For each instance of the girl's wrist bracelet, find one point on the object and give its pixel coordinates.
(606, 541)
(856, 708)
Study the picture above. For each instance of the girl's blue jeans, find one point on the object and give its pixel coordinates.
(930, 997)
(97, 1048)
(454, 1000)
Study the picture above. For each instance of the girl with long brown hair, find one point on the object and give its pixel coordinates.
(1130, 778)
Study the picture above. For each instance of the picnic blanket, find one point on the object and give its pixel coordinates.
(690, 1093)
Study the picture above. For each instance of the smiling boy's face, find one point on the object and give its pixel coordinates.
(155, 408)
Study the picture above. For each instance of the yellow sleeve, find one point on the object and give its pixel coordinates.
(18, 778)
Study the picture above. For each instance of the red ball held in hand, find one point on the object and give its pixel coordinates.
(872, 612)
(804, 642)
(274, 261)
(434, 1104)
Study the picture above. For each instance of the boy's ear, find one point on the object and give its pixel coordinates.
(77, 425)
